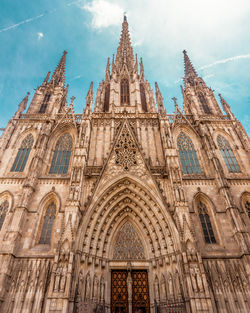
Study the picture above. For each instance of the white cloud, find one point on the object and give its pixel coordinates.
(40, 36)
(28, 20)
(104, 13)
(238, 57)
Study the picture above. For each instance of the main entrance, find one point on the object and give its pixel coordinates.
(129, 291)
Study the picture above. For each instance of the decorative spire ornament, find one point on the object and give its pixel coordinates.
(58, 77)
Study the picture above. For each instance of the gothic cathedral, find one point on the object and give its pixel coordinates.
(126, 208)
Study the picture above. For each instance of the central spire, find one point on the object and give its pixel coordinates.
(189, 69)
(125, 53)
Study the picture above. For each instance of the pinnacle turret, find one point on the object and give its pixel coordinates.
(189, 68)
(226, 107)
(125, 53)
(58, 77)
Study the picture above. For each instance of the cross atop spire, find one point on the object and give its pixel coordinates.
(58, 77)
(125, 53)
(189, 69)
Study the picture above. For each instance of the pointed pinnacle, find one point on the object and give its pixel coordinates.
(59, 73)
(175, 101)
(22, 105)
(125, 54)
(189, 69)
(46, 79)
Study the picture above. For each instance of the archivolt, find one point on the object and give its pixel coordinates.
(127, 199)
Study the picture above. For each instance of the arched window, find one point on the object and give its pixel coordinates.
(106, 98)
(206, 224)
(45, 103)
(23, 154)
(61, 157)
(3, 210)
(228, 155)
(143, 97)
(48, 224)
(188, 156)
(204, 104)
(125, 91)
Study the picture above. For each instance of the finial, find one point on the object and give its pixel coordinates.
(175, 101)
(189, 69)
(124, 16)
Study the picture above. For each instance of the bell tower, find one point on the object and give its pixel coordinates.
(50, 97)
(124, 87)
(198, 98)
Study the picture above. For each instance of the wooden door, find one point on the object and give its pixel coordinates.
(140, 292)
(119, 292)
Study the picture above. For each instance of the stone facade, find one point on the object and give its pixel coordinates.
(125, 187)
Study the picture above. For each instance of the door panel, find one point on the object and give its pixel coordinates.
(119, 291)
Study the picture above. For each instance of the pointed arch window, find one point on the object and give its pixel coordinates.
(48, 224)
(204, 104)
(45, 103)
(106, 98)
(143, 98)
(3, 211)
(228, 155)
(206, 224)
(23, 154)
(61, 157)
(125, 91)
(188, 156)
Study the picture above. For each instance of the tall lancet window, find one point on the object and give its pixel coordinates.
(247, 207)
(204, 104)
(206, 224)
(228, 155)
(106, 98)
(61, 157)
(3, 210)
(188, 156)
(143, 98)
(125, 91)
(45, 103)
(48, 222)
(23, 154)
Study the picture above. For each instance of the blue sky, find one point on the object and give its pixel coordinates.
(33, 35)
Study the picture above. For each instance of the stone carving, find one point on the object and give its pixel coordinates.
(125, 150)
(128, 245)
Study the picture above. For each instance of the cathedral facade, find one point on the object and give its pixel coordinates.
(124, 208)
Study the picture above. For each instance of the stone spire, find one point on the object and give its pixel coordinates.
(89, 100)
(108, 71)
(189, 69)
(58, 77)
(46, 79)
(226, 107)
(125, 53)
(159, 100)
(22, 106)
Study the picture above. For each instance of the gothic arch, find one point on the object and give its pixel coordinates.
(123, 222)
(51, 197)
(60, 131)
(127, 199)
(6, 205)
(245, 202)
(201, 197)
(197, 147)
(21, 136)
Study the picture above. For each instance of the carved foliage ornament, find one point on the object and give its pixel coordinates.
(128, 245)
(125, 150)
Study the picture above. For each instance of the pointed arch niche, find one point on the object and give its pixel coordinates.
(127, 244)
(6, 202)
(48, 208)
(245, 203)
(204, 209)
